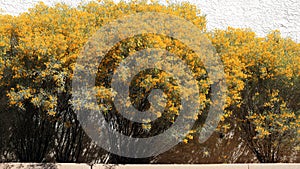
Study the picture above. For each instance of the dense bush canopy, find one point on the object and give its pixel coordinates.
(38, 50)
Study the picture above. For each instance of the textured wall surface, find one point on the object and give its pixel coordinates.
(262, 16)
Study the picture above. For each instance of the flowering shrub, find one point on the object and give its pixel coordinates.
(38, 51)
(265, 104)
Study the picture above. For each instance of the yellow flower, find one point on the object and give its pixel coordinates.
(52, 113)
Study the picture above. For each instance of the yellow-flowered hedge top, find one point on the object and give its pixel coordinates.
(38, 50)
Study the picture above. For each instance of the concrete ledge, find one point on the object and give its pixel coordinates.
(202, 166)
(275, 166)
(43, 166)
(151, 166)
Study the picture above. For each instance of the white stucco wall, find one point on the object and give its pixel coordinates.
(260, 15)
